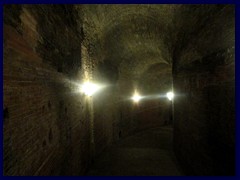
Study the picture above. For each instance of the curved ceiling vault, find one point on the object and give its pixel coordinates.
(132, 37)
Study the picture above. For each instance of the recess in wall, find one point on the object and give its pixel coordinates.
(49, 105)
(50, 135)
(5, 113)
(44, 143)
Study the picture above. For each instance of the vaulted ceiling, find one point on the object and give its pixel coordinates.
(132, 37)
(140, 42)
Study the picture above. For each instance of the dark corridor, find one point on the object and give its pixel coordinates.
(117, 90)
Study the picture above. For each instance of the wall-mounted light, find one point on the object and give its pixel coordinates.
(170, 95)
(89, 88)
(136, 97)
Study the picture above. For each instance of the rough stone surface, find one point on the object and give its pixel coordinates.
(46, 127)
(204, 79)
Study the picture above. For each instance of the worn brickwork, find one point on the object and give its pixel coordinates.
(46, 123)
(128, 42)
(106, 107)
(204, 108)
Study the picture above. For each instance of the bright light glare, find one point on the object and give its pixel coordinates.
(89, 88)
(136, 97)
(170, 95)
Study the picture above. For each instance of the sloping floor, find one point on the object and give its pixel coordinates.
(148, 153)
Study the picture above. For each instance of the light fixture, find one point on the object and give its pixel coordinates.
(136, 97)
(170, 95)
(89, 88)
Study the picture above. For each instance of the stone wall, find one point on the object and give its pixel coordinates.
(204, 84)
(46, 121)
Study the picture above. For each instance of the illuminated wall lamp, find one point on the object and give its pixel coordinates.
(89, 88)
(170, 95)
(136, 97)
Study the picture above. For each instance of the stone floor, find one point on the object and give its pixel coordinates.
(148, 153)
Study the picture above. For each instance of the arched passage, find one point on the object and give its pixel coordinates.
(53, 127)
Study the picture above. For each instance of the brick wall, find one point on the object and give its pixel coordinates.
(46, 122)
(204, 82)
